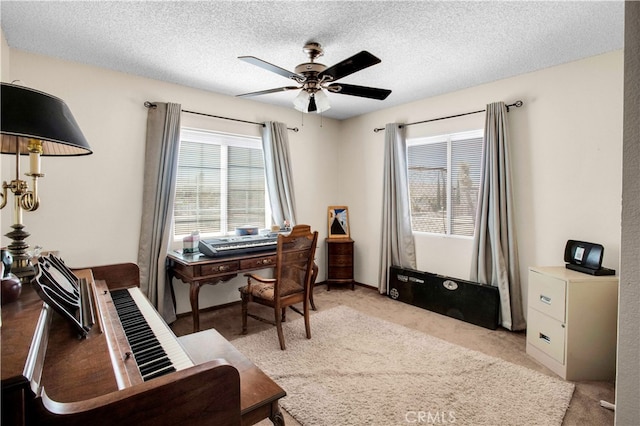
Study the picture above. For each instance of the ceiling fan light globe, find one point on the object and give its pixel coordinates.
(301, 102)
(322, 101)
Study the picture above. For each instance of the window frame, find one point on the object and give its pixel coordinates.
(449, 138)
(224, 139)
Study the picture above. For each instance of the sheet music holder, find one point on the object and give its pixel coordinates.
(71, 297)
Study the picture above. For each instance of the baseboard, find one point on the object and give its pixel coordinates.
(337, 285)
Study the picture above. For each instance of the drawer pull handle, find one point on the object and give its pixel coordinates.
(264, 261)
(545, 338)
(545, 299)
(223, 268)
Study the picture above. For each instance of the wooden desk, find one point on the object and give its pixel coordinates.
(198, 270)
(259, 394)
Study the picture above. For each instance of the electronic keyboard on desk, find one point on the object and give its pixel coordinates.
(229, 246)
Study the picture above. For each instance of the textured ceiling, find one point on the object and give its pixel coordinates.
(426, 47)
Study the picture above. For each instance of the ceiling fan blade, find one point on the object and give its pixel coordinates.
(357, 62)
(270, 67)
(265, 92)
(362, 91)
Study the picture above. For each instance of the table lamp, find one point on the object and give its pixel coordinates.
(36, 124)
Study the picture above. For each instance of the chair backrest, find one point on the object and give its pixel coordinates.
(294, 260)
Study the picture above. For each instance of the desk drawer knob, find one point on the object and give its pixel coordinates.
(264, 262)
(223, 268)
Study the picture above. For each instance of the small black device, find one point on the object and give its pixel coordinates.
(585, 257)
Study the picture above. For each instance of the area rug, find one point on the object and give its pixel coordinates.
(361, 370)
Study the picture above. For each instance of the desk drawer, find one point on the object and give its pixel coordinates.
(341, 260)
(340, 273)
(219, 268)
(340, 248)
(258, 262)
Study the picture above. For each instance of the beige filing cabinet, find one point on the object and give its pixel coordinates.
(572, 322)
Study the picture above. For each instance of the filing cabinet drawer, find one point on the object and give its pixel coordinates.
(546, 334)
(547, 295)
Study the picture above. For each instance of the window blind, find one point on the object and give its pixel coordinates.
(444, 177)
(220, 184)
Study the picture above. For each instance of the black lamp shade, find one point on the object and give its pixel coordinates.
(31, 114)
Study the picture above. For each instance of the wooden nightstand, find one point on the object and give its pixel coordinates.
(339, 262)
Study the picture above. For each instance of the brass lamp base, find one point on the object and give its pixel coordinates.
(21, 266)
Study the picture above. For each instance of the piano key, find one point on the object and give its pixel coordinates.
(154, 346)
(159, 373)
(145, 356)
(163, 333)
(155, 365)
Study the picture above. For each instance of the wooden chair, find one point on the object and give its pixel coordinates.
(291, 283)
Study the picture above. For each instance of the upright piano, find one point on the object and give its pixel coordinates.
(52, 374)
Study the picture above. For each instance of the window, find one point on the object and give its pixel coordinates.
(220, 184)
(444, 176)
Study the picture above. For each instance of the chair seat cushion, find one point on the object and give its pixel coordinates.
(265, 291)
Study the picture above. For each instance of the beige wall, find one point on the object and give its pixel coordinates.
(90, 206)
(4, 57)
(566, 164)
(628, 373)
(4, 75)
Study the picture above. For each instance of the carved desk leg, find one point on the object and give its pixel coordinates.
(276, 415)
(194, 291)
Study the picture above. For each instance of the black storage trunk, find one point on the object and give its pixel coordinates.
(475, 303)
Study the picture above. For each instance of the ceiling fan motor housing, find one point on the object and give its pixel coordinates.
(310, 68)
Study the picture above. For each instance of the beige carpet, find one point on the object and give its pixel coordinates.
(358, 369)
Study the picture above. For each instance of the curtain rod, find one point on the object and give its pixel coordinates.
(152, 105)
(516, 104)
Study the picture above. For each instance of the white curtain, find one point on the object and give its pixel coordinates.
(161, 162)
(397, 245)
(275, 145)
(495, 253)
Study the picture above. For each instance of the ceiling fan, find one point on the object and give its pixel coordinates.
(315, 78)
